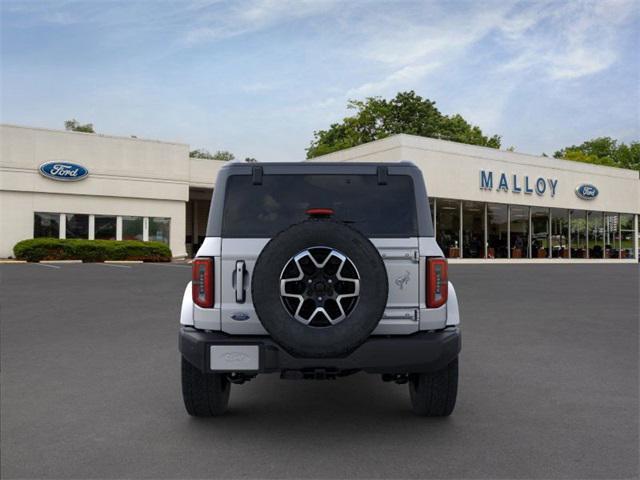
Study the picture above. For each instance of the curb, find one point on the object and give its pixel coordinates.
(8, 262)
(60, 261)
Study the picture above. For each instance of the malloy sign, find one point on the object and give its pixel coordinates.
(514, 183)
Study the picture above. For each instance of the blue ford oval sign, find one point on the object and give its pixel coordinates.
(586, 191)
(63, 171)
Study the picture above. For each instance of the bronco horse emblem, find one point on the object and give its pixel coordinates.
(403, 280)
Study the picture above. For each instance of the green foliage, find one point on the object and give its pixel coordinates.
(75, 126)
(377, 118)
(604, 151)
(36, 249)
(223, 155)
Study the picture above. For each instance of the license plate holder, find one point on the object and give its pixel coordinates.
(234, 358)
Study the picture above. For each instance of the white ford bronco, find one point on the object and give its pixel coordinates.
(317, 271)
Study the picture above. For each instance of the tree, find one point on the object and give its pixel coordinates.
(75, 126)
(604, 151)
(377, 118)
(223, 155)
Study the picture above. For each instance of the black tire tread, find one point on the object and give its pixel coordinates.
(204, 395)
(434, 394)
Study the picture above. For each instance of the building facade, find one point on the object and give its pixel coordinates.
(486, 204)
(134, 189)
(498, 206)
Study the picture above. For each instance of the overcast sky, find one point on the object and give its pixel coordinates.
(258, 77)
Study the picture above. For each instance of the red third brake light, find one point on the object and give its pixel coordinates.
(320, 212)
(437, 282)
(202, 282)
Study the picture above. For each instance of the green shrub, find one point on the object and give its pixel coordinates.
(36, 249)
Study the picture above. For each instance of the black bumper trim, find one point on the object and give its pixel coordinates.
(419, 352)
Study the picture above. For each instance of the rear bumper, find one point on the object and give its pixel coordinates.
(420, 352)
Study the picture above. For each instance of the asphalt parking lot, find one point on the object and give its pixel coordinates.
(90, 386)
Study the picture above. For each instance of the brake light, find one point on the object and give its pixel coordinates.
(202, 282)
(320, 212)
(437, 282)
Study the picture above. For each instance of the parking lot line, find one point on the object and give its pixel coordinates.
(46, 265)
(113, 265)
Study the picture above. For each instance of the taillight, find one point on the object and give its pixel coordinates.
(437, 282)
(202, 282)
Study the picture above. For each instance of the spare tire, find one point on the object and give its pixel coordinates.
(319, 288)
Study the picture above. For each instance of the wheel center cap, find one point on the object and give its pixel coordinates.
(320, 287)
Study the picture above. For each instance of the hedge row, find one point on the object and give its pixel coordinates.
(37, 249)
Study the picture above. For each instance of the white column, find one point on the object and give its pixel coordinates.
(118, 228)
(63, 225)
(460, 231)
(635, 237)
(92, 227)
(145, 229)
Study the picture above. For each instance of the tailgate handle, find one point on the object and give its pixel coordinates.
(240, 281)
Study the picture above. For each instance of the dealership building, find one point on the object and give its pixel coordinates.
(486, 204)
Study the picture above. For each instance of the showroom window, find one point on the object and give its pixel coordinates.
(132, 228)
(539, 232)
(159, 229)
(77, 226)
(519, 231)
(611, 235)
(578, 234)
(473, 230)
(46, 225)
(106, 227)
(448, 227)
(595, 236)
(626, 236)
(497, 231)
(559, 233)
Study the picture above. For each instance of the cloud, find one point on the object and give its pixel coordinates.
(565, 41)
(246, 17)
(400, 79)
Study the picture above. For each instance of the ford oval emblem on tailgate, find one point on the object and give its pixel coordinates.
(240, 316)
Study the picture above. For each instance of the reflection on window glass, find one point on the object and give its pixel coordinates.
(46, 225)
(105, 227)
(497, 228)
(77, 226)
(448, 218)
(519, 232)
(559, 233)
(611, 236)
(578, 234)
(159, 229)
(132, 228)
(539, 232)
(472, 230)
(596, 235)
(626, 236)
(377, 210)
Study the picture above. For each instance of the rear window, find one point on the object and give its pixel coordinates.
(281, 201)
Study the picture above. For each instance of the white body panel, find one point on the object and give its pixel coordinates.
(406, 312)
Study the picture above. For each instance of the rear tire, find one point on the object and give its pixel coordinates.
(204, 394)
(434, 394)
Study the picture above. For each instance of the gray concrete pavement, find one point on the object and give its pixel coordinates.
(90, 386)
